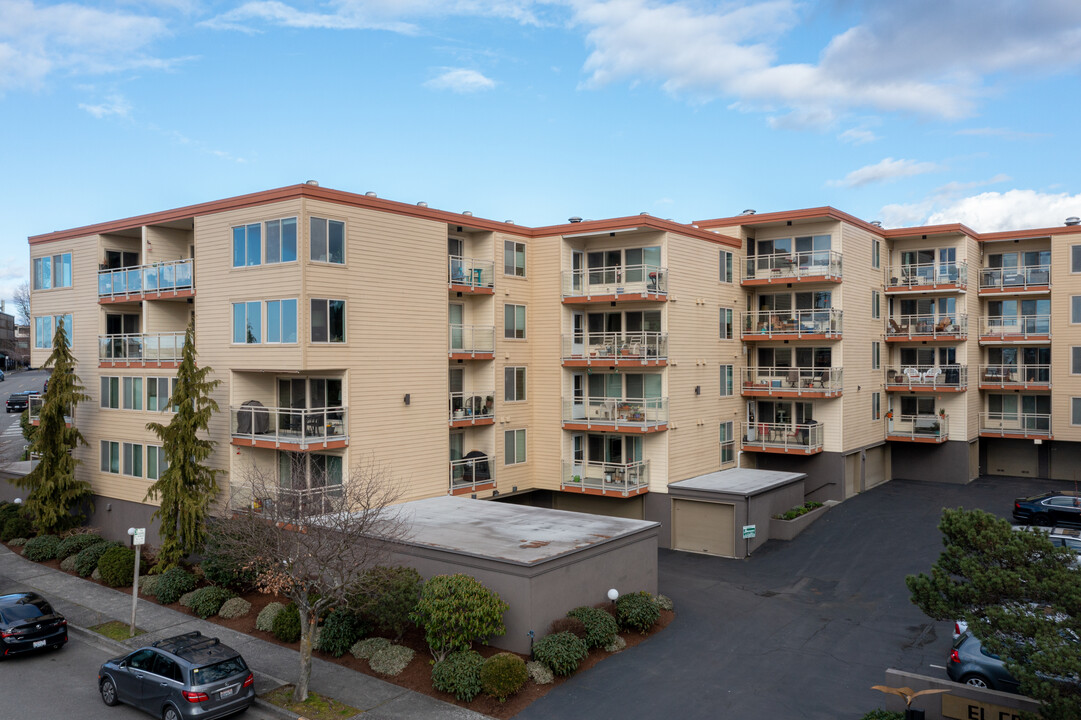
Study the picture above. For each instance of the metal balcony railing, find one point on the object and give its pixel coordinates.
(927, 377)
(789, 266)
(932, 273)
(34, 404)
(470, 272)
(794, 379)
(472, 405)
(1015, 326)
(294, 426)
(141, 347)
(624, 412)
(930, 426)
(1015, 423)
(471, 339)
(792, 322)
(623, 279)
(784, 436)
(616, 346)
(281, 503)
(1023, 278)
(1009, 375)
(157, 277)
(468, 473)
(604, 476)
(927, 326)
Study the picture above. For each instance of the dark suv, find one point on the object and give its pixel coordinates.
(186, 677)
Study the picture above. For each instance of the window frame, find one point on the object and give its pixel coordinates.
(131, 460)
(1075, 359)
(876, 305)
(58, 265)
(311, 325)
(128, 392)
(160, 463)
(312, 219)
(513, 310)
(876, 254)
(876, 355)
(106, 448)
(514, 254)
(876, 405)
(1075, 309)
(281, 318)
(512, 373)
(727, 380)
(105, 402)
(248, 306)
(266, 240)
(726, 270)
(1075, 407)
(727, 329)
(1075, 259)
(728, 443)
(247, 229)
(523, 447)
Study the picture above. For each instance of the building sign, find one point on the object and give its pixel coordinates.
(140, 536)
(967, 709)
(748, 532)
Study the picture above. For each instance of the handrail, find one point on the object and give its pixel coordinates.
(1019, 278)
(605, 476)
(470, 272)
(472, 405)
(289, 425)
(1015, 422)
(933, 273)
(156, 277)
(624, 411)
(927, 376)
(800, 379)
(600, 346)
(616, 280)
(794, 436)
(1017, 374)
(471, 472)
(927, 325)
(928, 425)
(301, 502)
(793, 265)
(471, 338)
(1015, 325)
(822, 321)
(153, 347)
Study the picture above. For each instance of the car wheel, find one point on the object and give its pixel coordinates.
(108, 693)
(171, 714)
(977, 681)
(1042, 519)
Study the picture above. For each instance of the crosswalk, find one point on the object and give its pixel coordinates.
(11, 440)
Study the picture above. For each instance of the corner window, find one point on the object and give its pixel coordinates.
(514, 447)
(281, 321)
(281, 241)
(327, 241)
(53, 271)
(726, 380)
(513, 258)
(514, 384)
(726, 324)
(514, 322)
(727, 259)
(328, 321)
(247, 245)
(247, 323)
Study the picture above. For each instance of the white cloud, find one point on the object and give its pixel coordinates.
(1010, 210)
(883, 171)
(114, 105)
(460, 80)
(857, 136)
(1004, 133)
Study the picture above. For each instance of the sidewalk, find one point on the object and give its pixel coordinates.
(86, 604)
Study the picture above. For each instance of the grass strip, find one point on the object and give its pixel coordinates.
(316, 707)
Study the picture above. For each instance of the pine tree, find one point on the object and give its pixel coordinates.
(186, 487)
(56, 499)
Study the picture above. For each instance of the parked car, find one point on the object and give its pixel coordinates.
(2, 378)
(971, 664)
(28, 623)
(1047, 509)
(180, 678)
(19, 401)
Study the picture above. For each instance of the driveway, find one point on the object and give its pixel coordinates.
(800, 629)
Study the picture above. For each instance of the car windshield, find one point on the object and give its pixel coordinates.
(25, 610)
(217, 671)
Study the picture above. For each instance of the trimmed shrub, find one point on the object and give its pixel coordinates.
(234, 607)
(41, 548)
(16, 526)
(539, 672)
(265, 619)
(391, 660)
(287, 624)
(342, 628)
(68, 564)
(502, 675)
(208, 601)
(185, 599)
(365, 649)
(390, 596)
(561, 652)
(148, 583)
(74, 544)
(617, 644)
(172, 584)
(459, 674)
(455, 610)
(568, 624)
(663, 602)
(17, 542)
(637, 611)
(219, 570)
(117, 566)
(86, 561)
(600, 627)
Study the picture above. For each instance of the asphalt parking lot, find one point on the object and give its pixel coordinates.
(799, 630)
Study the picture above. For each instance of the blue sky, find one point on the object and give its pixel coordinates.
(909, 112)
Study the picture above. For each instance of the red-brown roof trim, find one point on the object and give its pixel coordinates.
(826, 212)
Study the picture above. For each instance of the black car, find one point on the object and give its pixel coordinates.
(19, 401)
(185, 677)
(1050, 508)
(28, 623)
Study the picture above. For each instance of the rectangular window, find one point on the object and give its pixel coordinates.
(1075, 411)
(247, 323)
(327, 241)
(43, 332)
(157, 393)
(52, 272)
(514, 322)
(110, 392)
(1075, 258)
(110, 457)
(247, 245)
(328, 321)
(728, 443)
(726, 380)
(726, 323)
(875, 356)
(513, 258)
(1075, 360)
(133, 459)
(281, 240)
(513, 447)
(155, 462)
(876, 406)
(876, 304)
(727, 259)
(281, 321)
(133, 393)
(514, 384)
(876, 254)
(1075, 308)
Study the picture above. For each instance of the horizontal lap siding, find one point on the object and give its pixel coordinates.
(1065, 336)
(850, 424)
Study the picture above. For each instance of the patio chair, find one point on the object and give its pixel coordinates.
(912, 374)
(896, 329)
(931, 376)
(943, 324)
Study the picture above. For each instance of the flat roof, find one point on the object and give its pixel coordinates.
(516, 534)
(739, 481)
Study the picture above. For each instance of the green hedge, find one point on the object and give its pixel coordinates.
(208, 601)
(74, 544)
(798, 510)
(341, 629)
(456, 610)
(117, 566)
(562, 652)
(600, 626)
(502, 675)
(173, 584)
(41, 548)
(637, 611)
(459, 674)
(287, 624)
(86, 561)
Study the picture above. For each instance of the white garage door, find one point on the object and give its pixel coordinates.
(1017, 459)
(703, 527)
(875, 467)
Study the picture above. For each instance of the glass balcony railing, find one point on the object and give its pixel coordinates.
(34, 404)
(927, 377)
(283, 504)
(930, 427)
(293, 426)
(470, 272)
(468, 473)
(155, 278)
(646, 346)
(1023, 278)
(472, 405)
(605, 477)
(1015, 326)
(786, 437)
(929, 274)
(145, 347)
(791, 266)
(639, 413)
(624, 279)
(1015, 423)
(792, 322)
(927, 326)
(1019, 375)
(471, 339)
(810, 380)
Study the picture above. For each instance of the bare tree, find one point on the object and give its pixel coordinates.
(22, 303)
(311, 545)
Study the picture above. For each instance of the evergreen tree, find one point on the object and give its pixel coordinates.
(56, 499)
(186, 487)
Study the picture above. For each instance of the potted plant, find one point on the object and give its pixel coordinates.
(576, 478)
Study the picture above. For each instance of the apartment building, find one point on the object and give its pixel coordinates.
(582, 366)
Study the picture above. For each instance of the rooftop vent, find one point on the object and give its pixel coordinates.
(370, 193)
(313, 183)
(747, 212)
(876, 223)
(422, 204)
(643, 213)
(509, 222)
(574, 219)
(466, 212)
(1073, 220)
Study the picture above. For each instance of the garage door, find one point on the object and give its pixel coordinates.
(703, 527)
(875, 467)
(1011, 458)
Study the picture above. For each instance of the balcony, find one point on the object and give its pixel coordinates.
(468, 275)
(801, 267)
(792, 382)
(297, 429)
(172, 279)
(601, 478)
(625, 415)
(907, 328)
(469, 408)
(927, 378)
(1015, 425)
(471, 474)
(924, 277)
(471, 342)
(628, 283)
(917, 428)
(631, 349)
(1015, 377)
(1030, 280)
(34, 404)
(823, 324)
(140, 350)
(1015, 328)
(283, 503)
(783, 438)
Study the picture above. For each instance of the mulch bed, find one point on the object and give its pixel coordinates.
(417, 675)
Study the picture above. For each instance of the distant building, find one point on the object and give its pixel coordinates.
(8, 347)
(21, 356)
